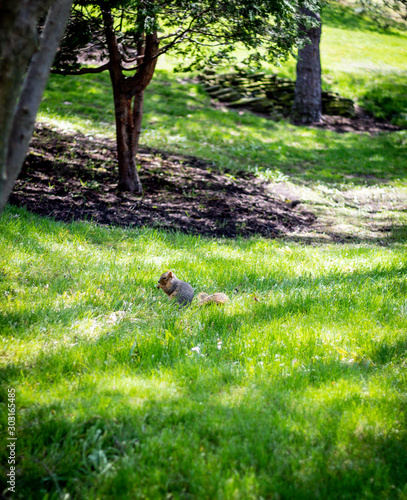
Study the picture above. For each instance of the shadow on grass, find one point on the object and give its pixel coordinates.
(221, 428)
(390, 352)
(395, 234)
(386, 97)
(339, 159)
(268, 436)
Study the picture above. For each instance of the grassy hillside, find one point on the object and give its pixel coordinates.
(295, 389)
(358, 61)
(177, 113)
(363, 63)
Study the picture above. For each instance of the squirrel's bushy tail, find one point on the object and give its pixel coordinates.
(215, 298)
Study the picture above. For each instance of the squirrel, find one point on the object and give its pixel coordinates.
(184, 293)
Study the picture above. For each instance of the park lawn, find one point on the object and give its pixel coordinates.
(295, 389)
(359, 60)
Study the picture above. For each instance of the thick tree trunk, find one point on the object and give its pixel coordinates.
(307, 106)
(128, 120)
(16, 136)
(18, 43)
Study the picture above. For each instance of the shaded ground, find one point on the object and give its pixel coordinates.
(361, 122)
(73, 177)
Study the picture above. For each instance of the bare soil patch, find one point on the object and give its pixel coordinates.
(74, 177)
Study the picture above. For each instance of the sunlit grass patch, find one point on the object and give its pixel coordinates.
(238, 141)
(300, 374)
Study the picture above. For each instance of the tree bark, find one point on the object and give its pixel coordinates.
(16, 136)
(307, 106)
(18, 42)
(138, 103)
(127, 145)
(128, 95)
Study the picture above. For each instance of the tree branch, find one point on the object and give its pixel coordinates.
(166, 48)
(137, 83)
(116, 75)
(81, 71)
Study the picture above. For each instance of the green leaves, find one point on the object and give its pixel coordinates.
(200, 32)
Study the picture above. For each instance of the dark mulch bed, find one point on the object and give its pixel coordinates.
(73, 177)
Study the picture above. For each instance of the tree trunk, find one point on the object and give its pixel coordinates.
(127, 143)
(307, 106)
(126, 90)
(18, 43)
(15, 137)
(138, 103)
(128, 120)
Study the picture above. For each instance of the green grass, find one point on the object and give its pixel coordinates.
(295, 389)
(305, 397)
(232, 140)
(365, 63)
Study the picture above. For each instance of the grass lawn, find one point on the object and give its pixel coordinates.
(295, 389)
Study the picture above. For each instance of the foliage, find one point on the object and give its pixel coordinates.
(385, 11)
(199, 33)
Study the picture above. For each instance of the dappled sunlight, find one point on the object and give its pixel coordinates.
(303, 157)
(298, 363)
(236, 140)
(295, 387)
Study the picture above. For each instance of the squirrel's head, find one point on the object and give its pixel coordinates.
(165, 278)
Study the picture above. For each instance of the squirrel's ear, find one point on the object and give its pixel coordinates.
(170, 274)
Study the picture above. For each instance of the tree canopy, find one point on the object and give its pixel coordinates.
(190, 29)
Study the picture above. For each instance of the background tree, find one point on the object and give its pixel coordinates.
(25, 60)
(130, 36)
(307, 105)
